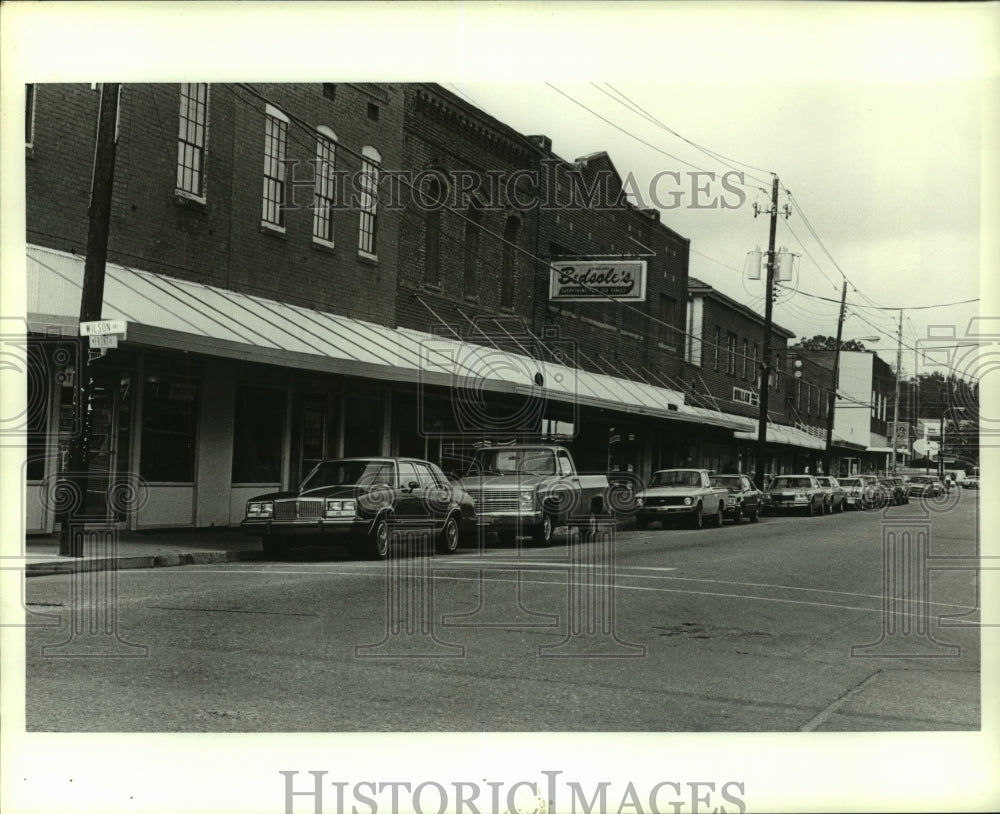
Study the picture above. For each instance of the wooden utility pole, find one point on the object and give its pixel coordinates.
(765, 366)
(834, 382)
(895, 408)
(91, 304)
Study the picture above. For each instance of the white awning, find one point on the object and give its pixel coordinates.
(783, 434)
(164, 312)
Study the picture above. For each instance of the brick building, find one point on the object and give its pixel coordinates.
(287, 300)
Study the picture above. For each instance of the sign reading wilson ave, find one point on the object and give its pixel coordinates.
(588, 280)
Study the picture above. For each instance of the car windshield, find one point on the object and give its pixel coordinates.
(823, 481)
(726, 482)
(676, 477)
(920, 479)
(791, 483)
(351, 473)
(850, 481)
(513, 462)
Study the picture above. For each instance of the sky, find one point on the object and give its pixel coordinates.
(884, 178)
(881, 119)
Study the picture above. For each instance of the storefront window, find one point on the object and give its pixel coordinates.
(364, 417)
(169, 420)
(258, 420)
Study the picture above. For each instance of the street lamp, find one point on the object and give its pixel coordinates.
(944, 412)
(832, 407)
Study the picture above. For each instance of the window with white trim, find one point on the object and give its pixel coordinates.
(325, 185)
(29, 115)
(192, 126)
(275, 144)
(368, 217)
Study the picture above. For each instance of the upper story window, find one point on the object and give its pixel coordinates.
(776, 374)
(668, 313)
(29, 115)
(324, 191)
(471, 280)
(508, 263)
(717, 345)
(192, 124)
(730, 353)
(432, 232)
(746, 359)
(368, 219)
(275, 145)
(756, 367)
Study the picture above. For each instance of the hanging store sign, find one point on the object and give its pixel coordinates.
(743, 396)
(590, 280)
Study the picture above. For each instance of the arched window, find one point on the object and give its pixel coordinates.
(368, 219)
(474, 215)
(324, 191)
(432, 233)
(508, 266)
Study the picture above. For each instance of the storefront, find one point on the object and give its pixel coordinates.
(215, 396)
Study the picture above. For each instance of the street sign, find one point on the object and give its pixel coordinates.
(104, 340)
(103, 327)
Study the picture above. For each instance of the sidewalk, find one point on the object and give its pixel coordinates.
(150, 549)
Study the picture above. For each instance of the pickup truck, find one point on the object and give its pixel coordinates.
(684, 493)
(532, 489)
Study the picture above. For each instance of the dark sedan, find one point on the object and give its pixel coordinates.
(360, 502)
(743, 499)
(897, 490)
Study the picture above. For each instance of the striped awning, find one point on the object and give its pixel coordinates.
(164, 312)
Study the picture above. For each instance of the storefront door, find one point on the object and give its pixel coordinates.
(108, 450)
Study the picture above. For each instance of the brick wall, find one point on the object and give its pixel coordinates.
(219, 241)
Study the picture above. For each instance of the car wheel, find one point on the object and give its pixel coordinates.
(541, 535)
(274, 547)
(753, 516)
(448, 540)
(641, 523)
(697, 521)
(737, 516)
(840, 506)
(718, 517)
(378, 539)
(812, 509)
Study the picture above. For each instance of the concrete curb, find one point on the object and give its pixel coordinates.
(74, 566)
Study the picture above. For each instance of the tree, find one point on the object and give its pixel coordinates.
(820, 342)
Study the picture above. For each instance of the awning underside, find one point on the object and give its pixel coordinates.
(184, 315)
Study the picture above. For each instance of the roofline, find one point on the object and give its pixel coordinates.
(696, 286)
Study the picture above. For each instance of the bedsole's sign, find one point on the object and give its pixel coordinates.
(589, 280)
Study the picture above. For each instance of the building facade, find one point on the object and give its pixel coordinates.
(316, 270)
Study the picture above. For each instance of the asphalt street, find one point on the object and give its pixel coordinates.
(833, 623)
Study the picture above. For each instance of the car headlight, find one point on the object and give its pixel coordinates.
(801, 496)
(687, 501)
(640, 500)
(527, 499)
(260, 508)
(341, 508)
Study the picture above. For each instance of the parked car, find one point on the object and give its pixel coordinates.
(796, 493)
(360, 501)
(743, 499)
(925, 486)
(863, 492)
(836, 496)
(684, 493)
(533, 489)
(971, 482)
(898, 490)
